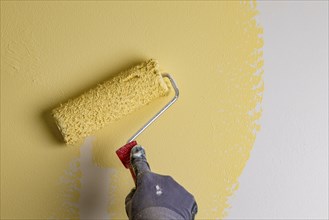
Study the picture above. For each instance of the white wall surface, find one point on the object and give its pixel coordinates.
(287, 174)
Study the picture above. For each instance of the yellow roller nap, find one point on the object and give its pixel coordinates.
(109, 101)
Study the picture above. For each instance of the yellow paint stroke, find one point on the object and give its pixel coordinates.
(53, 51)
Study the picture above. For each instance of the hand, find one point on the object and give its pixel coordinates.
(156, 196)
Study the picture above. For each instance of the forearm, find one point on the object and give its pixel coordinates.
(152, 213)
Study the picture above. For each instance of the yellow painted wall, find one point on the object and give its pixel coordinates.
(53, 51)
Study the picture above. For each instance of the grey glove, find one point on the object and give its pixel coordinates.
(156, 196)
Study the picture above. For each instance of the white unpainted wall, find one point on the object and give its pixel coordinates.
(287, 174)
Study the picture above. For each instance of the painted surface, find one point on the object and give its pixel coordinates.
(53, 51)
(287, 174)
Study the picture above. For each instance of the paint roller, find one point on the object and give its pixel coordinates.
(112, 100)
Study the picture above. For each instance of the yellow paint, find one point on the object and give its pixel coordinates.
(53, 51)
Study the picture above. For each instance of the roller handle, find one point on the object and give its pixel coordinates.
(124, 156)
(124, 152)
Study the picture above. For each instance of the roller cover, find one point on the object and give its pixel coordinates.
(110, 101)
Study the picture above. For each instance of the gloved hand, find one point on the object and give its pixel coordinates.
(156, 196)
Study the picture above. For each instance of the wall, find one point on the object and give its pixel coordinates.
(287, 174)
(53, 51)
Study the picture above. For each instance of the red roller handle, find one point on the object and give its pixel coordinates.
(124, 156)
